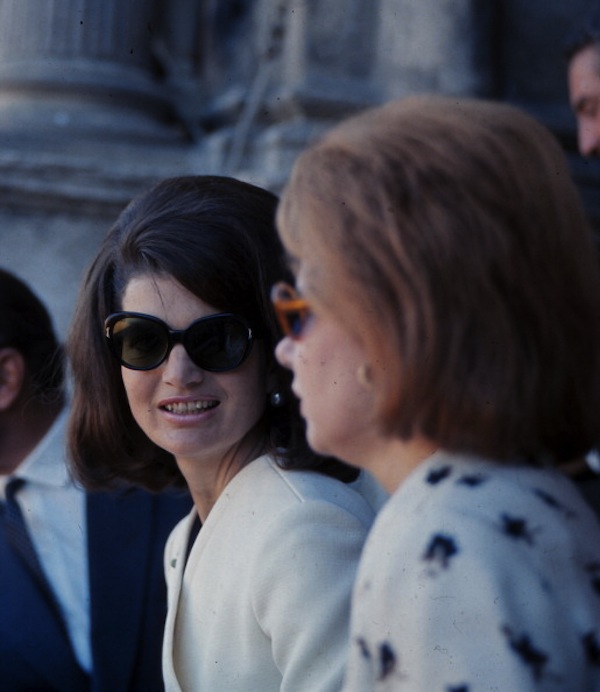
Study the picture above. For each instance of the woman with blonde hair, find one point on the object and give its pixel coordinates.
(445, 334)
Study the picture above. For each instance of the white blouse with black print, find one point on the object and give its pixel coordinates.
(479, 577)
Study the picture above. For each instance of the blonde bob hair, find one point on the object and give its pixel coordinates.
(448, 237)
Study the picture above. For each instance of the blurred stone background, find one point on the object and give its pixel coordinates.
(100, 98)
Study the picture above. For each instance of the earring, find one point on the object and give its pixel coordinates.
(276, 399)
(364, 375)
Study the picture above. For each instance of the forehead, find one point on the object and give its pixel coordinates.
(584, 72)
(164, 297)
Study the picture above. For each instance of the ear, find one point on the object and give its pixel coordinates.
(12, 376)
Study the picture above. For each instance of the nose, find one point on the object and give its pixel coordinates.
(284, 352)
(179, 370)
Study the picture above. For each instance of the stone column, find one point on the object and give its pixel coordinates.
(434, 45)
(316, 66)
(85, 124)
(84, 105)
(96, 52)
(328, 53)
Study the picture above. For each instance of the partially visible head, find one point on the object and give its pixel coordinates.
(26, 328)
(446, 238)
(583, 55)
(215, 237)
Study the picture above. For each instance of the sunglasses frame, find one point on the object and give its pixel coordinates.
(175, 336)
(284, 307)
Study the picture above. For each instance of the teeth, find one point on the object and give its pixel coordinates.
(190, 407)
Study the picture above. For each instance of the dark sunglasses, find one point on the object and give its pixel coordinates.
(291, 309)
(215, 343)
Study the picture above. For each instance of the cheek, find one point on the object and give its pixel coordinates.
(250, 383)
(128, 378)
(334, 408)
(325, 381)
(253, 392)
(305, 364)
(137, 390)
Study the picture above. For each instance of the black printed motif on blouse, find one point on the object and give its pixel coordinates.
(552, 502)
(524, 648)
(364, 649)
(591, 646)
(436, 476)
(440, 549)
(387, 661)
(516, 528)
(472, 480)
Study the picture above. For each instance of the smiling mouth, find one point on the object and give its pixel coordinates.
(190, 407)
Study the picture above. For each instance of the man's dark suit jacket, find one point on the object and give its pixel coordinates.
(126, 537)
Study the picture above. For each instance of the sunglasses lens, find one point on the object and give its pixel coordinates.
(292, 310)
(295, 320)
(218, 344)
(139, 343)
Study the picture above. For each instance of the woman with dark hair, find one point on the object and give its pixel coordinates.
(174, 378)
(441, 248)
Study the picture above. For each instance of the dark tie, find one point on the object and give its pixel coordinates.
(19, 539)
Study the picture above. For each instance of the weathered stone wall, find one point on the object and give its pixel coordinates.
(99, 98)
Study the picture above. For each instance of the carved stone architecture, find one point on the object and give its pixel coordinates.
(99, 98)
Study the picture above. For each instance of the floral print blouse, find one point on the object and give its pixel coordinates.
(479, 577)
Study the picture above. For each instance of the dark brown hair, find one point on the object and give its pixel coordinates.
(216, 237)
(25, 325)
(585, 33)
(448, 237)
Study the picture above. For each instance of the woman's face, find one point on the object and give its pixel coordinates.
(201, 417)
(329, 367)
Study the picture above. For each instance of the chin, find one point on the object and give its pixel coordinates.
(317, 444)
(312, 439)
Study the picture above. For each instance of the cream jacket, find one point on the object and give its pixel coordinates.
(263, 602)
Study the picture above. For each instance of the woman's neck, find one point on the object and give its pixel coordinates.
(396, 459)
(206, 481)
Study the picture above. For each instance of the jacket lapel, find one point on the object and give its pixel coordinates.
(118, 551)
(175, 567)
(34, 650)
